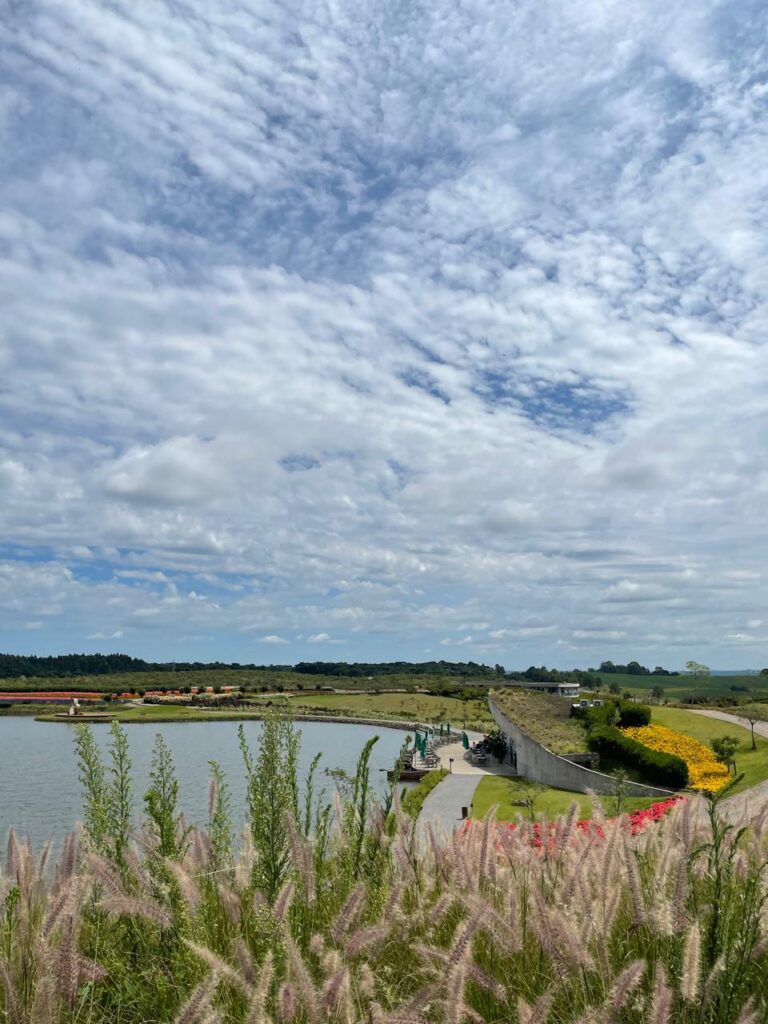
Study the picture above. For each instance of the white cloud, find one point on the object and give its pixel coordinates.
(319, 638)
(472, 335)
(272, 639)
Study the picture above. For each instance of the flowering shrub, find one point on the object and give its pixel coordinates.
(705, 772)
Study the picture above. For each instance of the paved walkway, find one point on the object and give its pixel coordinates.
(761, 728)
(453, 757)
(442, 807)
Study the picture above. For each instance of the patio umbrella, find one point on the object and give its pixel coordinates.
(465, 741)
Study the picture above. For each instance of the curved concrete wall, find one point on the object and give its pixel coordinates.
(537, 763)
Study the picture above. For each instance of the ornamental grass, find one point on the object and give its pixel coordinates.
(705, 772)
(348, 912)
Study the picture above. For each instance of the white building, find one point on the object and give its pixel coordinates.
(559, 689)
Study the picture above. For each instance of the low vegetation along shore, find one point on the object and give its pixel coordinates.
(350, 912)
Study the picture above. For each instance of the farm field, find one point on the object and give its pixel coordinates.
(679, 687)
(254, 680)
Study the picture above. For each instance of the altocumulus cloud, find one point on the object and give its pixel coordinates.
(363, 324)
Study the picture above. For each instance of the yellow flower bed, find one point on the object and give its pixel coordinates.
(704, 770)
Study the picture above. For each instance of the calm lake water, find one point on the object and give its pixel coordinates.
(40, 794)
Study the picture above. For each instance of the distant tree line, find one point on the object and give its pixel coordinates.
(554, 675)
(362, 669)
(66, 665)
(61, 665)
(633, 668)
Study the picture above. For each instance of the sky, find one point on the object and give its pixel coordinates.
(349, 330)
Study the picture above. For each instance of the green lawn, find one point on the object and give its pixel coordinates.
(753, 763)
(552, 802)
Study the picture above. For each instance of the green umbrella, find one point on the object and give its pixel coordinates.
(465, 740)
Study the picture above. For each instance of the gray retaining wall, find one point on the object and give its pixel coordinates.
(537, 763)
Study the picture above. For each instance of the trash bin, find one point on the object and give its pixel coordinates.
(465, 812)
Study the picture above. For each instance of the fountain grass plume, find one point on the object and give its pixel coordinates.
(383, 925)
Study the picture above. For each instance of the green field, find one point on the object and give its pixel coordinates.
(678, 687)
(252, 679)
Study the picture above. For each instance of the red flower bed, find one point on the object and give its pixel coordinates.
(636, 822)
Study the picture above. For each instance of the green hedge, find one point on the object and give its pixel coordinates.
(413, 798)
(625, 712)
(631, 714)
(660, 769)
(605, 714)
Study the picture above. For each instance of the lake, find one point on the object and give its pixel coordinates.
(40, 794)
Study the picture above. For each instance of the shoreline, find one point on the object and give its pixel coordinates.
(385, 723)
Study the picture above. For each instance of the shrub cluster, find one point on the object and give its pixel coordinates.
(631, 714)
(624, 712)
(660, 769)
(605, 714)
